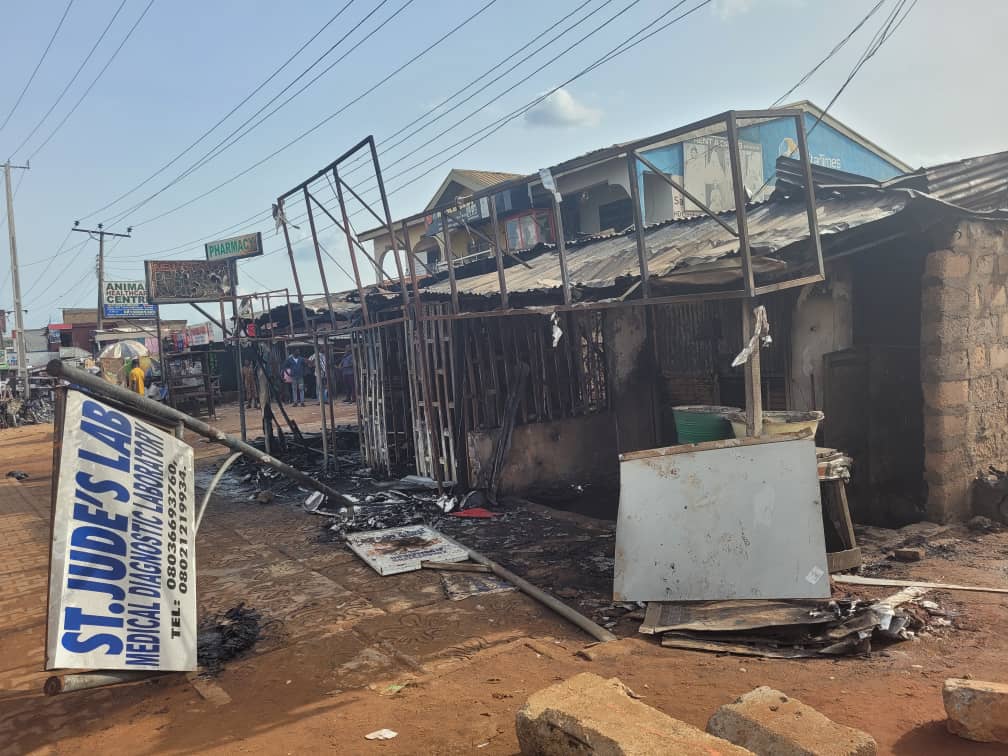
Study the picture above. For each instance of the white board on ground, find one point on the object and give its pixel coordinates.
(738, 521)
(396, 550)
(122, 571)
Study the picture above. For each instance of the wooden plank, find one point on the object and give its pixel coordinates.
(862, 580)
(838, 561)
(727, 443)
(724, 616)
(672, 640)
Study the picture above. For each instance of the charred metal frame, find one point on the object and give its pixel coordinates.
(432, 345)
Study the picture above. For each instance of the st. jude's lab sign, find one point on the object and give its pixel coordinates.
(122, 576)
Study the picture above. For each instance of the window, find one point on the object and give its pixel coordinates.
(529, 229)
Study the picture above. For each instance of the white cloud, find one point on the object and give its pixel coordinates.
(561, 110)
(729, 8)
(726, 9)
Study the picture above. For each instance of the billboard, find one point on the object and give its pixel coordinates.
(122, 570)
(247, 245)
(127, 299)
(180, 281)
(707, 172)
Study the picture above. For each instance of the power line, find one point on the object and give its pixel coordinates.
(491, 69)
(839, 46)
(495, 126)
(37, 66)
(72, 80)
(291, 143)
(892, 24)
(210, 155)
(628, 44)
(95, 81)
(495, 68)
(227, 115)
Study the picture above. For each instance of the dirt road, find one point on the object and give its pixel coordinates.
(349, 652)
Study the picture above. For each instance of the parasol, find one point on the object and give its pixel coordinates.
(124, 350)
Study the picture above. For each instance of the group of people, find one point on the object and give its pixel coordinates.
(293, 372)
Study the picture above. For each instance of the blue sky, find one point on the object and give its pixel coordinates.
(188, 63)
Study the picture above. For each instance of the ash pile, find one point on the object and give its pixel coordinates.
(15, 411)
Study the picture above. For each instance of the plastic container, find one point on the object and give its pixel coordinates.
(779, 423)
(695, 424)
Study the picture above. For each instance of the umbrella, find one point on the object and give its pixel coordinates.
(125, 350)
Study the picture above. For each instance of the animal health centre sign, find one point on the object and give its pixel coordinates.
(249, 245)
(122, 573)
(127, 299)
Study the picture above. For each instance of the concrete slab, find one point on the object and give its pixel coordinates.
(767, 721)
(977, 710)
(589, 714)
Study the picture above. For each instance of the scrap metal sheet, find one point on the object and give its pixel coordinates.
(396, 550)
(732, 522)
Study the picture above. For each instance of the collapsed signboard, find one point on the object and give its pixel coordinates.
(180, 281)
(247, 245)
(126, 299)
(396, 550)
(122, 571)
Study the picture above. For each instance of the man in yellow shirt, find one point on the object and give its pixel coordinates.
(136, 378)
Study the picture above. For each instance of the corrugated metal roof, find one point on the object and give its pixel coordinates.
(678, 245)
(482, 179)
(977, 183)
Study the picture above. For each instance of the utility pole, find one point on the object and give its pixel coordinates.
(102, 233)
(22, 356)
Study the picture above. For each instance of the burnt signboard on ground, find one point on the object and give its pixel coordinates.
(180, 281)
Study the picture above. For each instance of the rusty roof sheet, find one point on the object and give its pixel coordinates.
(678, 245)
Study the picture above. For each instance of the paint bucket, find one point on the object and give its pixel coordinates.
(779, 423)
(698, 423)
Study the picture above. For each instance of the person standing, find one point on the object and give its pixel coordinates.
(295, 367)
(347, 374)
(251, 384)
(136, 379)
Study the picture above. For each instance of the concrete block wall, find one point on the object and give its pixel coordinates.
(964, 364)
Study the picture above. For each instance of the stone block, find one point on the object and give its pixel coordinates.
(998, 357)
(588, 714)
(944, 462)
(978, 360)
(977, 710)
(947, 365)
(767, 721)
(914, 554)
(948, 501)
(950, 301)
(944, 428)
(984, 265)
(1004, 326)
(944, 264)
(942, 394)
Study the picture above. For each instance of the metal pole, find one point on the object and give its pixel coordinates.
(321, 404)
(68, 684)
(321, 268)
(635, 197)
(388, 218)
(753, 379)
(124, 396)
(101, 277)
(290, 313)
(562, 250)
(597, 632)
(450, 262)
(501, 279)
(236, 332)
(290, 254)
(22, 356)
(349, 240)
